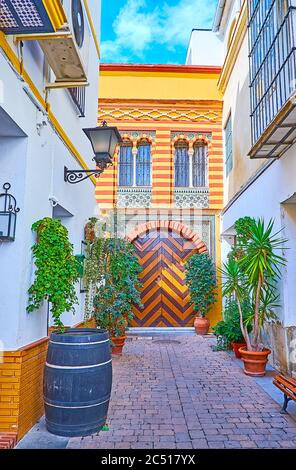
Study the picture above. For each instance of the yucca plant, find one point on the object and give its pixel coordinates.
(254, 274)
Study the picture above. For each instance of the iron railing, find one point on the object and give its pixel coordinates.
(272, 46)
(78, 97)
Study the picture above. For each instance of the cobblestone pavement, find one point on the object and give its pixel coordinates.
(185, 395)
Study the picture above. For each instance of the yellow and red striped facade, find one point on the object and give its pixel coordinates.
(164, 104)
(169, 119)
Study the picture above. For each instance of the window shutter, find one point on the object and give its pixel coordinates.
(181, 164)
(199, 166)
(143, 164)
(125, 165)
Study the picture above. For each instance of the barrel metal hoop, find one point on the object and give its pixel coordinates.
(53, 366)
(74, 407)
(80, 344)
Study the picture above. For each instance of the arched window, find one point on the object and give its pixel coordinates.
(199, 164)
(181, 164)
(126, 170)
(143, 163)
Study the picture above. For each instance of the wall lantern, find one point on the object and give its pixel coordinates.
(8, 212)
(104, 140)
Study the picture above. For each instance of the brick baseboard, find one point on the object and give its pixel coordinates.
(21, 387)
(8, 440)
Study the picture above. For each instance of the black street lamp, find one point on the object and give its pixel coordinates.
(104, 140)
(8, 215)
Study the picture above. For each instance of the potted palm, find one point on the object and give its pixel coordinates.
(253, 272)
(200, 275)
(118, 290)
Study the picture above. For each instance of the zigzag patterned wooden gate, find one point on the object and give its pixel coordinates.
(165, 296)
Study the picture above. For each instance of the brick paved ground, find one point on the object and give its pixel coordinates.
(185, 395)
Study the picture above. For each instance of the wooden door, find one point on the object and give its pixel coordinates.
(165, 296)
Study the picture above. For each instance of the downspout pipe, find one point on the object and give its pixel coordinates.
(218, 15)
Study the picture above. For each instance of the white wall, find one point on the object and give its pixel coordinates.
(205, 48)
(34, 166)
(265, 198)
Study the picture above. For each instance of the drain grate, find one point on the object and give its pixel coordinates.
(166, 341)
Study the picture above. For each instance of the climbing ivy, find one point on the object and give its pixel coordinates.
(93, 267)
(57, 269)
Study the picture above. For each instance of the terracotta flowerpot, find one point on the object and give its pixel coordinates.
(117, 344)
(201, 325)
(254, 361)
(235, 347)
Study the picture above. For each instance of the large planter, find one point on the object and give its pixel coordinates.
(235, 347)
(201, 325)
(117, 344)
(77, 381)
(254, 361)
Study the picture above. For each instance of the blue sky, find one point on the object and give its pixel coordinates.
(151, 31)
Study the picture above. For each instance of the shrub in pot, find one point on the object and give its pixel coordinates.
(200, 275)
(252, 271)
(229, 328)
(220, 331)
(118, 290)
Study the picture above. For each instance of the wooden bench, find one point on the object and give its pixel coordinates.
(288, 386)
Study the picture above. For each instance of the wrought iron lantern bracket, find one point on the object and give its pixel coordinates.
(75, 176)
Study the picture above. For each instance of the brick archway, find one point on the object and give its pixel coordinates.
(162, 248)
(177, 227)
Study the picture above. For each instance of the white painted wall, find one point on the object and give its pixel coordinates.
(205, 48)
(34, 166)
(266, 198)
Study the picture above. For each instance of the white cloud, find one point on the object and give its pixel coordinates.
(137, 28)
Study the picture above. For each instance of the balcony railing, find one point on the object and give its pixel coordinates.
(272, 43)
(191, 198)
(78, 97)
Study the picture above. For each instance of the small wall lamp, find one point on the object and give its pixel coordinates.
(8, 215)
(104, 140)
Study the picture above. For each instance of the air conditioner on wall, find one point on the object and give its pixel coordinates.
(67, 51)
(79, 26)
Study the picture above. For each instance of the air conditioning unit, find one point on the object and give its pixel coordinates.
(67, 51)
(79, 27)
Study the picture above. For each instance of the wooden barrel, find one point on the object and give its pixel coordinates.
(77, 381)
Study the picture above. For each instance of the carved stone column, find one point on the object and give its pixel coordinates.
(134, 151)
(190, 153)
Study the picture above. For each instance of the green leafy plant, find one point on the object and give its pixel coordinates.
(119, 288)
(253, 274)
(94, 264)
(57, 269)
(243, 228)
(200, 277)
(230, 328)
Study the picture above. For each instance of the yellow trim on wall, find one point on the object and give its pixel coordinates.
(234, 47)
(18, 65)
(55, 12)
(93, 31)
